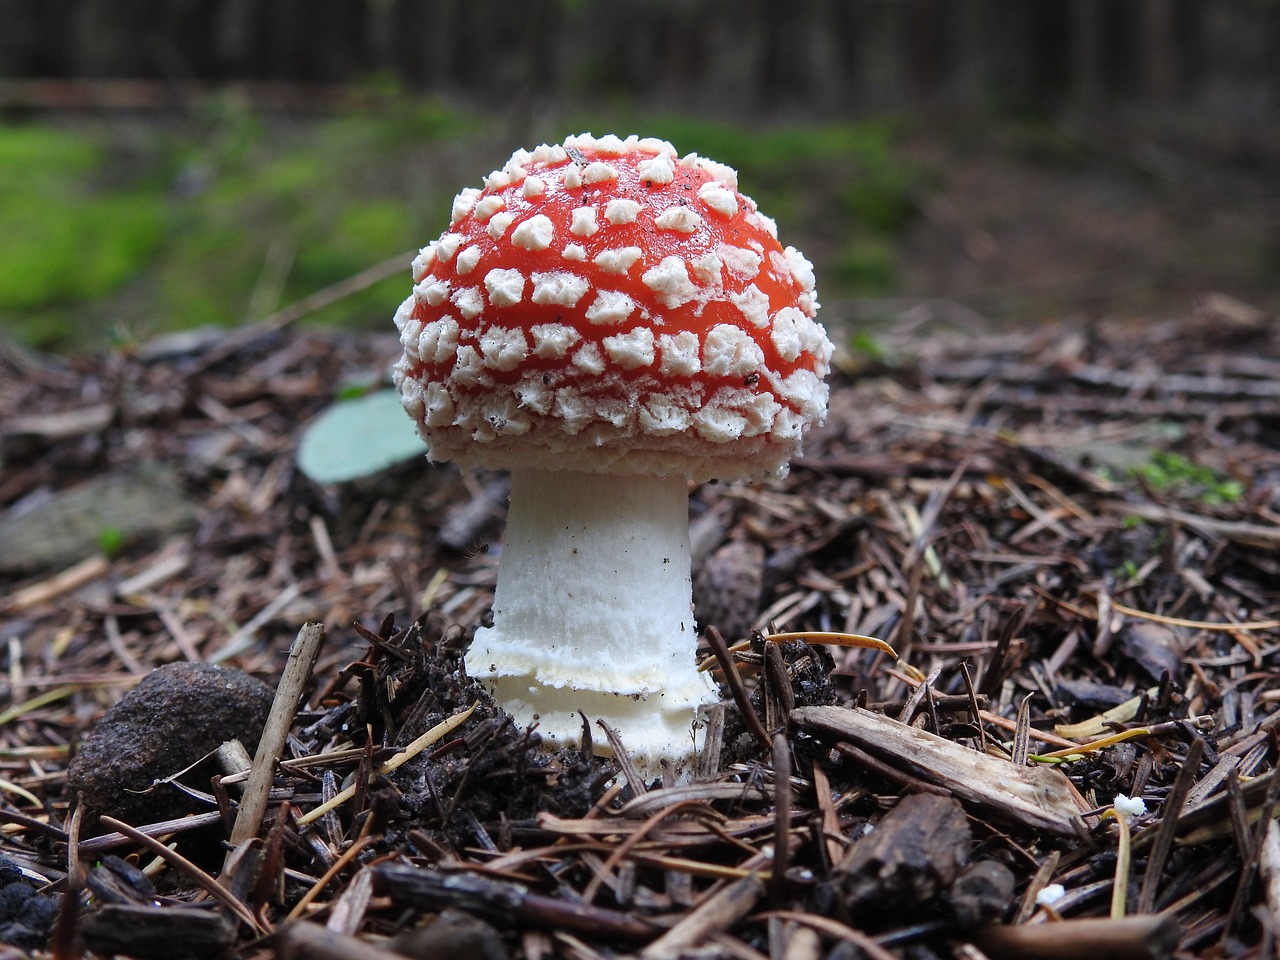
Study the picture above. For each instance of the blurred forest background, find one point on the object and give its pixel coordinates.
(166, 164)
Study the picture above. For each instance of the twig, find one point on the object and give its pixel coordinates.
(183, 865)
(1251, 856)
(619, 854)
(63, 940)
(736, 688)
(832, 928)
(782, 818)
(1255, 534)
(236, 643)
(720, 911)
(1131, 938)
(626, 764)
(502, 901)
(72, 578)
(1120, 887)
(1168, 829)
(247, 335)
(293, 681)
(338, 866)
(436, 733)
(163, 828)
(1194, 624)
(1040, 797)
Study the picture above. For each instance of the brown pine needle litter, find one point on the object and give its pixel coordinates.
(1067, 532)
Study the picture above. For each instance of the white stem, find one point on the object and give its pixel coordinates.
(593, 612)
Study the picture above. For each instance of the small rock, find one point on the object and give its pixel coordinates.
(139, 502)
(178, 714)
(982, 893)
(25, 916)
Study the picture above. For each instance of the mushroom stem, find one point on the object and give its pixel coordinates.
(593, 612)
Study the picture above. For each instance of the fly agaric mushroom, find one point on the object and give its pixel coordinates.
(608, 320)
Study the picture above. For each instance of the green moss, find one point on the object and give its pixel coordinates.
(62, 241)
(884, 203)
(1169, 472)
(226, 217)
(30, 154)
(865, 266)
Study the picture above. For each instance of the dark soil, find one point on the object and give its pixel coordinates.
(1046, 525)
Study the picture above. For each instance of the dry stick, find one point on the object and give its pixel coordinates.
(1120, 887)
(1255, 534)
(835, 929)
(62, 942)
(338, 866)
(293, 681)
(1039, 880)
(831, 833)
(888, 772)
(1136, 937)
(975, 707)
(615, 858)
(908, 711)
(52, 831)
(503, 902)
(183, 865)
(1022, 733)
(161, 828)
(349, 907)
(734, 680)
(782, 819)
(72, 578)
(626, 765)
(282, 318)
(720, 911)
(436, 733)
(1168, 828)
(776, 690)
(1250, 856)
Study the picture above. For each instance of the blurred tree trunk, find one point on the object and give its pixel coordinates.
(739, 55)
(1159, 55)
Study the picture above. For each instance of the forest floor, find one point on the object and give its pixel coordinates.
(1068, 533)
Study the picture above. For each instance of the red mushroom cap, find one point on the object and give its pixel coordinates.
(608, 306)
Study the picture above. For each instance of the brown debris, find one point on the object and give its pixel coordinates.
(1038, 797)
(1067, 532)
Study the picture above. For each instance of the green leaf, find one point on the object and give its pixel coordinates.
(358, 438)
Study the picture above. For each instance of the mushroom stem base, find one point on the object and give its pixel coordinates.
(593, 612)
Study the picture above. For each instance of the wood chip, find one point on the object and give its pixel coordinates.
(1039, 797)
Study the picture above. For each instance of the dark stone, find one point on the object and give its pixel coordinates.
(177, 715)
(25, 915)
(982, 893)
